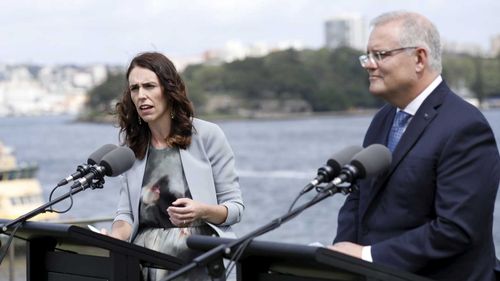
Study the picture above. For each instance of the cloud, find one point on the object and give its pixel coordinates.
(82, 31)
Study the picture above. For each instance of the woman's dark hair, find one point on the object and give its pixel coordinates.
(137, 135)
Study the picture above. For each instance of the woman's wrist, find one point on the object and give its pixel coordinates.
(215, 214)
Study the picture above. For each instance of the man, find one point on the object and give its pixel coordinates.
(432, 212)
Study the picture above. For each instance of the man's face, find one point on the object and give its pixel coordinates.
(390, 75)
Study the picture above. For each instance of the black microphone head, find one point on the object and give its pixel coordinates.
(342, 157)
(97, 155)
(371, 161)
(118, 161)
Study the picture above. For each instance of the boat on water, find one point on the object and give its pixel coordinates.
(20, 190)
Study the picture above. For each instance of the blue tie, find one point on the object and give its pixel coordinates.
(398, 127)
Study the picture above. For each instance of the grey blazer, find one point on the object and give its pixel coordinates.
(208, 165)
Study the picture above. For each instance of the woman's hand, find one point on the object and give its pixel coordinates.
(185, 211)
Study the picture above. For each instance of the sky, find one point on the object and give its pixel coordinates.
(112, 32)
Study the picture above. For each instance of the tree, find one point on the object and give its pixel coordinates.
(202, 79)
(102, 98)
(327, 80)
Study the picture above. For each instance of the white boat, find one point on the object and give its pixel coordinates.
(20, 190)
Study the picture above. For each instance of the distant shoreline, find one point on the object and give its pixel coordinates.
(258, 116)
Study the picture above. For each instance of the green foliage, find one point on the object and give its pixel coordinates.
(479, 74)
(103, 97)
(288, 78)
(491, 76)
(246, 78)
(202, 79)
(326, 80)
(349, 80)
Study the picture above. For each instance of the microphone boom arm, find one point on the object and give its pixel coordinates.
(113, 163)
(227, 249)
(42, 208)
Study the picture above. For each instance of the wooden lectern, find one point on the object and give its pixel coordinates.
(60, 252)
(271, 261)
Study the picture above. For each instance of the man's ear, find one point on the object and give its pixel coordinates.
(421, 59)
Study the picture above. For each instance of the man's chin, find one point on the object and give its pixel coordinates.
(376, 91)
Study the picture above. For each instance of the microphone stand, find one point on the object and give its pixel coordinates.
(207, 257)
(97, 183)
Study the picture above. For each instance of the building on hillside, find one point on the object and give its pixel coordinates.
(42, 90)
(236, 50)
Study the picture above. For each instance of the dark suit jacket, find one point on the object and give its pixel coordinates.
(432, 212)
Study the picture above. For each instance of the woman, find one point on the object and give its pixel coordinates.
(183, 181)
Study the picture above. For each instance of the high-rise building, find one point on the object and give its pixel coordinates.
(345, 31)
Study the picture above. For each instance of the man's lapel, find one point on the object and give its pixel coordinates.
(423, 117)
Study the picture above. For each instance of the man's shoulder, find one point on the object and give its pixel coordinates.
(459, 108)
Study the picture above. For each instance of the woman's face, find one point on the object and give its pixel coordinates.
(147, 95)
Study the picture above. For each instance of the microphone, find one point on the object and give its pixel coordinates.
(97, 155)
(333, 166)
(112, 164)
(369, 162)
(93, 159)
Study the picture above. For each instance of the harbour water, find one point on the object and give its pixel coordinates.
(275, 160)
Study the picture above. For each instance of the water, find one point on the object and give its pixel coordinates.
(275, 159)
